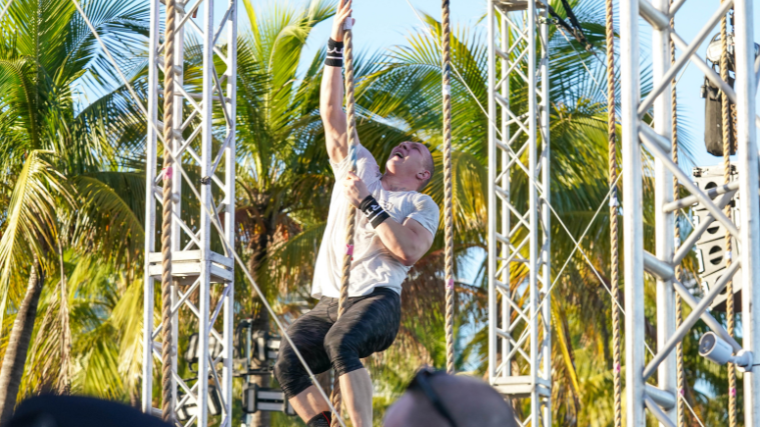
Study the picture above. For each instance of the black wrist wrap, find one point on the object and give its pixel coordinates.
(373, 211)
(334, 56)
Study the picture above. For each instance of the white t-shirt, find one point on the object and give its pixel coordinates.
(373, 265)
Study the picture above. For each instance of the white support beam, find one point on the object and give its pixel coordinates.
(519, 235)
(633, 219)
(658, 141)
(749, 203)
(205, 271)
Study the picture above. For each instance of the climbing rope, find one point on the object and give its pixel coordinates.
(167, 408)
(726, 128)
(352, 143)
(680, 379)
(614, 231)
(447, 186)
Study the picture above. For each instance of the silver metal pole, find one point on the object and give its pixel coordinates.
(519, 232)
(176, 231)
(229, 200)
(546, 216)
(150, 209)
(493, 316)
(506, 314)
(749, 203)
(633, 230)
(664, 221)
(196, 268)
(205, 220)
(533, 207)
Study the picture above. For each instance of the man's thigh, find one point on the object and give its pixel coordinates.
(308, 334)
(369, 325)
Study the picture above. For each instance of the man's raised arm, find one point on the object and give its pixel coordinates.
(332, 92)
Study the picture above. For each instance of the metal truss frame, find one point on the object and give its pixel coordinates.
(658, 140)
(204, 279)
(519, 241)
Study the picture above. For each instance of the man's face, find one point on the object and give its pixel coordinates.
(408, 159)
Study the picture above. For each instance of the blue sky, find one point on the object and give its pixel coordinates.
(382, 24)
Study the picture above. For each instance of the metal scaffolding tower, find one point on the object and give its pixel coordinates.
(519, 263)
(203, 269)
(657, 140)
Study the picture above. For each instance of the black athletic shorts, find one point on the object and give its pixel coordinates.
(369, 325)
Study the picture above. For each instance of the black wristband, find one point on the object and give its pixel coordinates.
(375, 213)
(334, 56)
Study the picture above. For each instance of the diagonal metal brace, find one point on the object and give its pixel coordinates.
(690, 241)
(657, 412)
(650, 139)
(698, 312)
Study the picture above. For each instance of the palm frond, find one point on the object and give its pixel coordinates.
(111, 216)
(30, 223)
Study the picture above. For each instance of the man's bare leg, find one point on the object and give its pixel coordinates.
(309, 403)
(356, 390)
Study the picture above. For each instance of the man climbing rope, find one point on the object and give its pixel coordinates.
(395, 228)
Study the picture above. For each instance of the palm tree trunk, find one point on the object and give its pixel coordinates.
(18, 343)
(260, 323)
(64, 381)
(261, 418)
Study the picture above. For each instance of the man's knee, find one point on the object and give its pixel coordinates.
(290, 373)
(343, 352)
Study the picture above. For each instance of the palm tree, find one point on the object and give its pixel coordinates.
(57, 158)
(273, 111)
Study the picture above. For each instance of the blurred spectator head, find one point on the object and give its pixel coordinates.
(79, 411)
(436, 399)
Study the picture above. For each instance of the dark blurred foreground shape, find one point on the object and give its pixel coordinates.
(79, 411)
(437, 399)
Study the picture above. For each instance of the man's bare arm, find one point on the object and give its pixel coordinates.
(408, 242)
(332, 93)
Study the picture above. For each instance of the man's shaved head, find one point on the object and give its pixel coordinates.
(471, 403)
